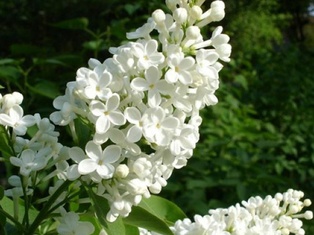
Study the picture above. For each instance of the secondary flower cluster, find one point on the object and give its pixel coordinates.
(278, 215)
(142, 105)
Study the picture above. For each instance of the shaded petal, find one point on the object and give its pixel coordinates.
(28, 156)
(139, 84)
(93, 151)
(20, 130)
(105, 171)
(186, 63)
(6, 120)
(84, 228)
(77, 154)
(185, 77)
(116, 136)
(28, 120)
(170, 123)
(164, 87)
(151, 46)
(105, 79)
(72, 172)
(16, 161)
(171, 76)
(112, 153)
(113, 102)
(102, 124)
(16, 113)
(152, 75)
(132, 114)
(154, 98)
(116, 118)
(97, 108)
(134, 134)
(87, 166)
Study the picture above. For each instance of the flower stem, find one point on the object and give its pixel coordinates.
(18, 225)
(44, 213)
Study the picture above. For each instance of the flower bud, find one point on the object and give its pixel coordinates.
(196, 12)
(159, 16)
(218, 10)
(136, 186)
(180, 15)
(122, 171)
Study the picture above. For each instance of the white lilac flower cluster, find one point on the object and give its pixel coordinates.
(278, 215)
(29, 155)
(143, 104)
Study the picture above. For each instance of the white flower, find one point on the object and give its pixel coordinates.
(97, 85)
(158, 127)
(66, 106)
(179, 69)
(30, 161)
(147, 54)
(107, 114)
(142, 32)
(10, 100)
(77, 155)
(119, 138)
(153, 84)
(70, 225)
(100, 160)
(133, 115)
(16, 120)
(17, 190)
(215, 13)
(204, 61)
(258, 217)
(186, 139)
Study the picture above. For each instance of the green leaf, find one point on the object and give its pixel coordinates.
(131, 8)
(9, 73)
(8, 206)
(163, 209)
(76, 24)
(46, 88)
(5, 146)
(140, 217)
(116, 227)
(95, 45)
(131, 230)
(7, 61)
(10, 229)
(28, 50)
(1, 192)
(101, 208)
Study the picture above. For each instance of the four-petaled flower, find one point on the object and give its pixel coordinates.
(100, 161)
(107, 114)
(70, 224)
(153, 84)
(30, 161)
(16, 120)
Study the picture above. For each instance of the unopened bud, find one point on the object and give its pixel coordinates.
(180, 15)
(122, 171)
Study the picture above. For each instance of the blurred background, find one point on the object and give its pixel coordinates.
(259, 138)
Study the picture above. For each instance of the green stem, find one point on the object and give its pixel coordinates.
(44, 213)
(26, 201)
(10, 217)
(67, 199)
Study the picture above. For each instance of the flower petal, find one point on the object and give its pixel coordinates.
(93, 150)
(112, 153)
(87, 166)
